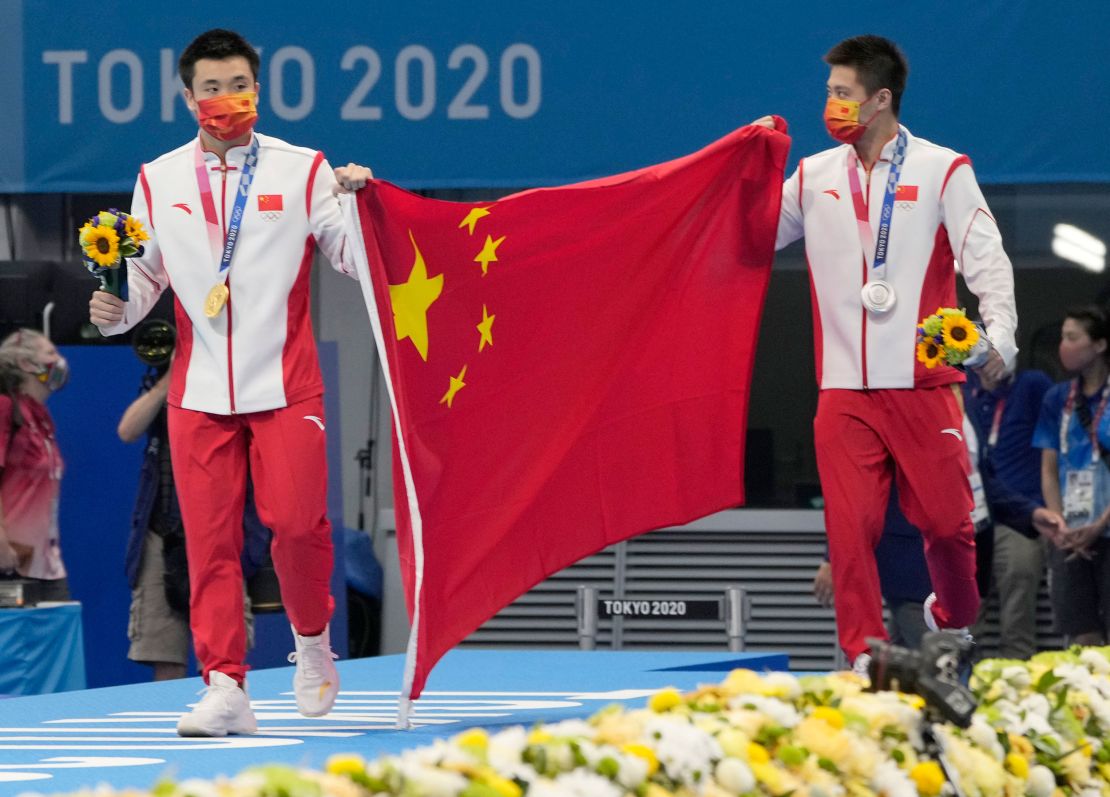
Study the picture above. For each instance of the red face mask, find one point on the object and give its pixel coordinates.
(842, 120)
(229, 116)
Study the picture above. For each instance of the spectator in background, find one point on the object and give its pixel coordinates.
(1075, 478)
(903, 576)
(1004, 414)
(30, 462)
(155, 562)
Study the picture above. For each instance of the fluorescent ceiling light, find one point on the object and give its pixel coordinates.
(1079, 246)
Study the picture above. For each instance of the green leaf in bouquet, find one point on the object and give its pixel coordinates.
(536, 755)
(893, 732)
(1047, 745)
(576, 751)
(770, 733)
(1046, 682)
(828, 765)
(707, 704)
(608, 767)
(128, 249)
(792, 755)
(857, 723)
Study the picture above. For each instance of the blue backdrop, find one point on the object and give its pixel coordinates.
(505, 93)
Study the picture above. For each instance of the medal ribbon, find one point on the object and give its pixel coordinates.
(223, 248)
(886, 217)
(1069, 408)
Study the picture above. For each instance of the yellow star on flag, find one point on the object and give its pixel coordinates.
(489, 253)
(410, 301)
(457, 384)
(472, 218)
(486, 329)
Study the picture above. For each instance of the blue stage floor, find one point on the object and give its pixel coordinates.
(125, 736)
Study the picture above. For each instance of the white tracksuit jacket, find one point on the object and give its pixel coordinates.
(259, 353)
(941, 218)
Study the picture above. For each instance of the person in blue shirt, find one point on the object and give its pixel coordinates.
(1004, 413)
(1073, 434)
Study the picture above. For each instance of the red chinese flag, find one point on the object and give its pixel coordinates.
(569, 367)
(906, 193)
(270, 202)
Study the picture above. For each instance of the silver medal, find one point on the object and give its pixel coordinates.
(878, 296)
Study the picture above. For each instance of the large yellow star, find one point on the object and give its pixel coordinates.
(411, 300)
(457, 384)
(486, 329)
(472, 218)
(489, 253)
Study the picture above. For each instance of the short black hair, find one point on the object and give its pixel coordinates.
(1093, 319)
(216, 44)
(879, 64)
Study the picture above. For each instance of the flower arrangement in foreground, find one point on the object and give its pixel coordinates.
(1039, 731)
(946, 337)
(106, 239)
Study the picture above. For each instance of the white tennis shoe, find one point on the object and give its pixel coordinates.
(316, 682)
(224, 709)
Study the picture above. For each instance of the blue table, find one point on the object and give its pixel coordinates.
(41, 650)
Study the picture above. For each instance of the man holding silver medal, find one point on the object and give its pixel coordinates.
(235, 218)
(886, 216)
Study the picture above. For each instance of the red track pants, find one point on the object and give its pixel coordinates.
(285, 450)
(863, 439)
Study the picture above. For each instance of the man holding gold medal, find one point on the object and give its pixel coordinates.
(886, 215)
(235, 218)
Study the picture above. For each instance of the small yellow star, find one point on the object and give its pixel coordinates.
(486, 328)
(472, 218)
(410, 301)
(489, 253)
(457, 384)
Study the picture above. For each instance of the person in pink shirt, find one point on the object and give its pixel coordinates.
(30, 462)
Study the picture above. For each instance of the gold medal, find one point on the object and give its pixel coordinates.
(217, 298)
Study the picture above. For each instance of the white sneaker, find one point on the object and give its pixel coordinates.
(316, 682)
(861, 665)
(931, 621)
(224, 709)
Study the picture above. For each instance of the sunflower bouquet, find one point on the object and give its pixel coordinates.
(106, 239)
(947, 337)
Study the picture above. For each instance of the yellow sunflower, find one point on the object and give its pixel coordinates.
(930, 353)
(101, 245)
(133, 229)
(959, 333)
